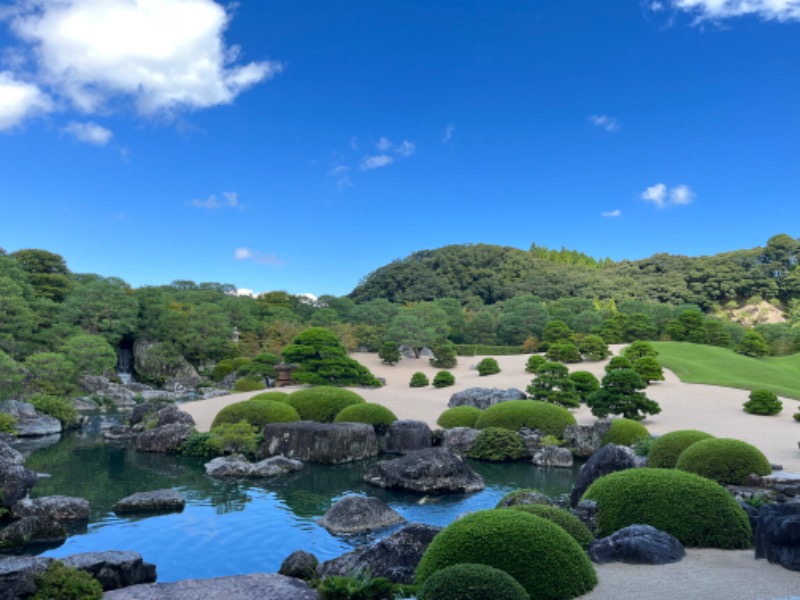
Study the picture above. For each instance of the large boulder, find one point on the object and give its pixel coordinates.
(10, 455)
(300, 564)
(113, 569)
(585, 440)
(18, 575)
(57, 508)
(32, 530)
(239, 587)
(15, 481)
(330, 443)
(553, 456)
(163, 439)
(637, 544)
(394, 557)
(356, 514)
(178, 378)
(120, 395)
(483, 398)
(435, 470)
(406, 436)
(158, 501)
(30, 422)
(238, 466)
(460, 439)
(608, 459)
(778, 535)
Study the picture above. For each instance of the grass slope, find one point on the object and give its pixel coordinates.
(696, 363)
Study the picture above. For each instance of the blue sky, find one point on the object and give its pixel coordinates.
(301, 145)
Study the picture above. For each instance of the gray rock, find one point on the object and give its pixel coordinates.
(637, 544)
(483, 398)
(435, 470)
(240, 587)
(608, 459)
(15, 482)
(119, 433)
(17, 575)
(523, 497)
(585, 440)
(394, 557)
(9, 455)
(163, 439)
(586, 511)
(171, 414)
(30, 422)
(330, 443)
(32, 530)
(238, 466)
(121, 396)
(114, 569)
(300, 564)
(406, 436)
(532, 440)
(460, 439)
(778, 535)
(57, 508)
(355, 514)
(151, 502)
(553, 456)
(180, 377)
(84, 403)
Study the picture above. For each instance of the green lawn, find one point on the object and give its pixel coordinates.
(696, 363)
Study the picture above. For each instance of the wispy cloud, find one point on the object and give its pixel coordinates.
(612, 213)
(711, 10)
(385, 153)
(20, 100)
(662, 197)
(90, 133)
(229, 200)
(257, 256)
(605, 122)
(406, 148)
(681, 194)
(384, 144)
(448, 133)
(375, 162)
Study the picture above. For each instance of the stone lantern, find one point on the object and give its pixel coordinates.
(283, 372)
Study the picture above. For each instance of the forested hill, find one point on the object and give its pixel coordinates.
(496, 273)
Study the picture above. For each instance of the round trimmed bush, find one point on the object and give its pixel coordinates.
(534, 362)
(459, 416)
(419, 379)
(763, 402)
(585, 383)
(624, 432)
(221, 370)
(271, 397)
(257, 413)
(667, 448)
(497, 444)
(376, 415)
(540, 555)
(563, 518)
(322, 403)
(514, 414)
(469, 581)
(488, 366)
(696, 510)
(248, 385)
(726, 461)
(443, 379)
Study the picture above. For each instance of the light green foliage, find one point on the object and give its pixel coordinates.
(471, 582)
(262, 366)
(624, 432)
(534, 362)
(389, 353)
(357, 588)
(459, 416)
(648, 369)
(60, 582)
(443, 379)
(593, 347)
(419, 379)
(257, 413)
(666, 449)
(221, 370)
(234, 438)
(563, 518)
(18, 320)
(563, 352)
(322, 403)
(637, 350)
(8, 423)
(272, 396)
(200, 445)
(11, 377)
(763, 402)
(488, 366)
(540, 555)
(585, 383)
(619, 395)
(726, 461)
(105, 306)
(696, 510)
(514, 414)
(553, 384)
(497, 444)
(57, 407)
(444, 355)
(248, 385)
(91, 354)
(753, 344)
(376, 415)
(51, 373)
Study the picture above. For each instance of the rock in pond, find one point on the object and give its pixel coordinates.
(30, 422)
(435, 470)
(238, 466)
(608, 459)
(58, 508)
(32, 530)
(639, 545)
(15, 482)
(10, 455)
(300, 564)
(163, 439)
(17, 575)
(553, 456)
(330, 443)
(483, 398)
(406, 436)
(270, 586)
(355, 514)
(585, 440)
(114, 569)
(158, 501)
(460, 439)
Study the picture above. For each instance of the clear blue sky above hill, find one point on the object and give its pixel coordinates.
(300, 145)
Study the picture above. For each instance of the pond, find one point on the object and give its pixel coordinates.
(231, 528)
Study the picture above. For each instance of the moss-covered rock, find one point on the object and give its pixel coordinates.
(533, 414)
(498, 444)
(726, 461)
(459, 416)
(471, 581)
(322, 403)
(624, 432)
(666, 449)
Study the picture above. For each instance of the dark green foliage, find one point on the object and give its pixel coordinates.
(444, 355)
(638, 350)
(534, 362)
(322, 403)
(563, 352)
(389, 353)
(459, 416)
(270, 397)
(376, 415)
(47, 273)
(8, 423)
(540, 555)
(51, 373)
(240, 361)
(488, 366)
(256, 412)
(497, 444)
(618, 362)
(689, 326)
(471, 582)
(667, 448)
(585, 383)
(443, 379)
(248, 385)
(593, 347)
(726, 461)
(357, 588)
(221, 370)
(105, 306)
(648, 369)
(557, 332)
(199, 444)
(485, 349)
(514, 414)
(624, 432)
(753, 344)
(563, 518)
(696, 510)
(419, 379)
(57, 407)
(763, 402)
(11, 377)
(91, 354)
(619, 395)
(60, 582)
(553, 385)
(261, 366)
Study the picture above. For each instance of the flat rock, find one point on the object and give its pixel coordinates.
(269, 586)
(329, 443)
(58, 508)
(637, 544)
(238, 466)
(30, 422)
(17, 575)
(354, 514)
(157, 501)
(483, 398)
(435, 470)
(553, 456)
(113, 569)
(406, 436)
(163, 439)
(32, 530)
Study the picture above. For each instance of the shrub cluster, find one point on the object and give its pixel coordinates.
(270, 397)
(515, 414)
(443, 379)
(60, 582)
(585, 383)
(498, 444)
(666, 449)
(248, 385)
(484, 350)
(419, 379)
(564, 352)
(763, 402)
(257, 413)
(8, 423)
(376, 415)
(488, 366)
(468, 581)
(221, 370)
(534, 362)
(726, 461)
(322, 403)
(624, 432)
(57, 407)
(563, 518)
(459, 416)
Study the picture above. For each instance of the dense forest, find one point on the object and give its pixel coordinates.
(56, 324)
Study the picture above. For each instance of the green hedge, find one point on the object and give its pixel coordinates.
(726, 461)
(497, 444)
(563, 518)
(624, 432)
(257, 413)
(322, 403)
(248, 385)
(666, 449)
(514, 414)
(540, 555)
(696, 510)
(469, 581)
(459, 416)
(482, 350)
(376, 415)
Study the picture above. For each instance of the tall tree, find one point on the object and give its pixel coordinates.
(47, 272)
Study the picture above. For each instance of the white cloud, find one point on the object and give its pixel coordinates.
(375, 162)
(384, 145)
(242, 253)
(656, 6)
(448, 133)
(655, 194)
(768, 10)
(662, 198)
(20, 100)
(610, 124)
(681, 195)
(612, 213)
(406, 148)
(89, 132)
(230, 200)
(258, 257)
(164, 55)
(338, 170)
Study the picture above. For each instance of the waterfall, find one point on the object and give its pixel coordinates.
(125, 365)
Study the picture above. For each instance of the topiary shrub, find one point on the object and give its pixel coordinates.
(639, 349)
(497, 444)
(419, 379)
(514, 414)
(322, 403)
(362, 587)
(248, 385)
(726, 461)
(459, 416)
(443, 379)
(376, 415)
(60, 582)
(233, 438)
(534, 362)
(563, 352)
(257, 413)
(57, 407)
(696, 510)
(270, 397)
(540, 555)
(585, 383)
(468, 581)
(763, 402)
(618, 362)
(666, 449)
(649, 369)
(221, 370)
(624, 432)
(389, 353)
(240, 361)
(563, 518)
(488, 366)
